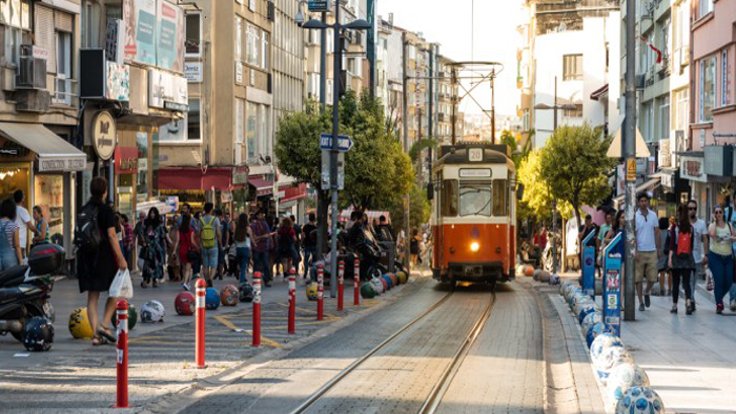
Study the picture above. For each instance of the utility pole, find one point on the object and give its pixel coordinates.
(430, 114)
(371, 40)
(453, 99)
(628, 143)
(322, 227)
(405, 133)
(493, 106)
(336, 73)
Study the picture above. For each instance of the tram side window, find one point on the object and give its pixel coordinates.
(500, 198)
(449, 198)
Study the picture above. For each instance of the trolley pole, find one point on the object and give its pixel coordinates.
(628, 143)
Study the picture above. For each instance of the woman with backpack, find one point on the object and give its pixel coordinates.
(287, 252)
(243, 236)
(720, 256)
(681, 261)
(154, 248)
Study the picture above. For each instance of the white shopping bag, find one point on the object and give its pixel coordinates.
(122, 286)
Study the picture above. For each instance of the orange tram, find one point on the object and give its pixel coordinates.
(473, 220)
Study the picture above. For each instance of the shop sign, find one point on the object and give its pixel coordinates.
(167, 90)
(226, 196)
(240, 175)
(126, 160)
(61, 164)
(691, 168)
(193, 71)
(117, 84)
(104, 133)
(668, 180)
(11, 149)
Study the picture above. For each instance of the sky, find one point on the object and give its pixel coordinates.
(449, 24)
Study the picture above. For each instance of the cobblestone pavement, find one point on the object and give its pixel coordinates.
(75, 376)
(502, 372)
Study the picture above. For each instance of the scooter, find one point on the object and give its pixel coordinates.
(25, 294)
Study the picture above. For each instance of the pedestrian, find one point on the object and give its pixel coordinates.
(730, 217)
(23, 220)
(154, 251)
(96, 268)
(720, 256)
(128, 239)
(242, 240)
(274, 256)
(414, 247)
(587, 228)
(173, 267)
(288, 254)
(309, 243)
(210, 237)
(700, 246)
(186, 249)
(665, 277)
(648, 250)
(602, 232)
(261, 246)
(42, 227)
(138, 231)
(618, 226)
(10, 251)
(226, 230)
(680, 258)
(383, 230)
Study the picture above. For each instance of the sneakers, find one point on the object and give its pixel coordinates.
(674, 309)
(733, 305)
(641, 307)
(719, 309)
(688, 308)
(185, 287)
(647, 301)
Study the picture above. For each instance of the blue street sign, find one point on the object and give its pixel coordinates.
(344, 143)
(612, 287)
(588, 266)
(318, 5)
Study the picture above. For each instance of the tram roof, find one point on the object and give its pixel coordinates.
(458, 154)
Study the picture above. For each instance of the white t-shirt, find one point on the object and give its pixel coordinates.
(645, 230)
(699, 229)
(21, 218)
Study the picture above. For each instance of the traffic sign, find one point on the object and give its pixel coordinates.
(344, 143)
(318, 5)
(326, 170)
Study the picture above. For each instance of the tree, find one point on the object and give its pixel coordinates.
(536, 201)
(574, 165)
(419, 209)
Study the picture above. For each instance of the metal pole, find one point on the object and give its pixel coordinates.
(430, 114)
(372, 47)
(629, 153)
(322, 105)
(405, 133)
(453, 102)
(337, 58)
(493, 106)
(554, 107)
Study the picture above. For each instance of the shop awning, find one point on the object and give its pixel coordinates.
(649, 185)
(600, 92)
(262, 187)
(195, 179)
(292, 192)
(54, 154)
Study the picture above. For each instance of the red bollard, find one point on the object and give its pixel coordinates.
(292, 301)
(320, 292)
(200, 322)
(122, 354)
(257, 309)
(340, 284)
(356, 283)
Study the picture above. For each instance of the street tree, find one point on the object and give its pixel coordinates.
(574, 165)
(536, 201)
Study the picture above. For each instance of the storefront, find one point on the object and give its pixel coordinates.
(704, 192)
(196, 186)
(126, 174)
(44, 166)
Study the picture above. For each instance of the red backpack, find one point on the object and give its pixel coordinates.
(684, 243)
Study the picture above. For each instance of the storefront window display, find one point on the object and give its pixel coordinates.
(49, 194)
(13, 177)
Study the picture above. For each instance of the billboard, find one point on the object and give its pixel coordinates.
(154, 34)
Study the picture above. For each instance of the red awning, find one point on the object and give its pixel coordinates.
(262, 187)
(195, 179)
(293, 192)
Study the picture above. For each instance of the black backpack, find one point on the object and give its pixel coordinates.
(87, 231)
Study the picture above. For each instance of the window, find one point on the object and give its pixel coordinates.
(475, 198)
(251, 130)
(449, 198)
(264, 50)
(500, 198)
(239, 138)
(724, 78)
(682, 110)
(194, 35)
(15, 15)
(664, 118)
(707, 89)
(194, 131)
(253, 46)
(252, 5)
(63, 68)
(572, 67)
(238, 39)
(573, 113)
(704, 7)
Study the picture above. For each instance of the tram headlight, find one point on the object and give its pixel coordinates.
(474, 247)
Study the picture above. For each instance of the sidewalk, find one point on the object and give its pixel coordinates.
(690, 360)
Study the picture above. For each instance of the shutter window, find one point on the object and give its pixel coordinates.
(63, 21)
(45, 36)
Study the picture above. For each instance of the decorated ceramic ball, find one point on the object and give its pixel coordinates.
(640, 400)
(590, 320)
(624, 376)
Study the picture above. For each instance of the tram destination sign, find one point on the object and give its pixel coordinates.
(475, 173)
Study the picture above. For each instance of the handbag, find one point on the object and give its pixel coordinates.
(122, 286)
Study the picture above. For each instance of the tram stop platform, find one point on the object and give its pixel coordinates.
(690, 359)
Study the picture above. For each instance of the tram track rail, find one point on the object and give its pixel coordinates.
(435, 397)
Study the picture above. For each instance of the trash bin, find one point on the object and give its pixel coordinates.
(388, 255)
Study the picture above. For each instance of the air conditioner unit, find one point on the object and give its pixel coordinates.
(31, 72)
(639, 81)
(271, 14)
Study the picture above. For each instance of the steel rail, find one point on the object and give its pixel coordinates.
(355, 364)
(438, 392)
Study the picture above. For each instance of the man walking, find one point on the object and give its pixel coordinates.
(262, 242)
(647, 249)
(309, 242)
(210, 237)
(700, 246)
(23, 221)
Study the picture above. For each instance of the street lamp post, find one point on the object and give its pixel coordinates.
(337, 27)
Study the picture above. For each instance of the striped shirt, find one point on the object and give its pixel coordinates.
(10, 227)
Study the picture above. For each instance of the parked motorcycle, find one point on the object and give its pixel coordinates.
(25, 289)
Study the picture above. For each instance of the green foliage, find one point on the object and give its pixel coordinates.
(377, 171)
(573, 164)
(419, 208)
(419, 146)
(536, 202)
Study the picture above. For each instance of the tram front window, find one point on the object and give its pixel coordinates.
(475, 199)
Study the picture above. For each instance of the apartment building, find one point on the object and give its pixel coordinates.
(709, 165)
(447, 99)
